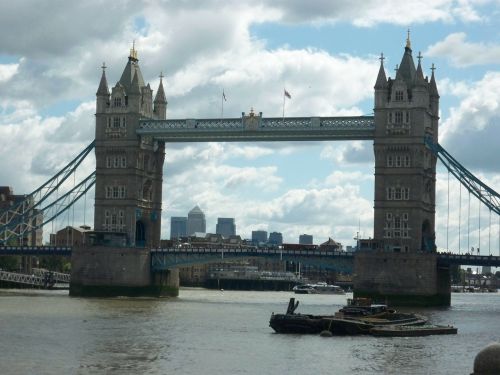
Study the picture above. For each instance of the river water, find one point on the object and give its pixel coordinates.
(222, 332)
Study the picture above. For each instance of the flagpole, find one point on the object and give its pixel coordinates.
(283, 105)
(222, 105)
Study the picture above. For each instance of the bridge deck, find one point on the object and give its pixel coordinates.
(443, 258)
(257, 128)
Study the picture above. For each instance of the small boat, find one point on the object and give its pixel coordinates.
(324, 288)
(411, 331)
(304, 289)
(318, 288)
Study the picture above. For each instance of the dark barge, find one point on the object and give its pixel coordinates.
(358, 317)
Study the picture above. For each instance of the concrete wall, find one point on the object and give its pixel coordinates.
(410, 279)
(108, 271)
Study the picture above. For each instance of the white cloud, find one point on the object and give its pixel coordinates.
(7, 71)
(370, 13)
(462, 53)
(475, 121)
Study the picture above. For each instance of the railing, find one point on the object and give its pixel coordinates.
(36, 250)
(253, 251)
(20, 278)
(57, 276)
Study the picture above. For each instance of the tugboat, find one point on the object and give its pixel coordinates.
(357, 317)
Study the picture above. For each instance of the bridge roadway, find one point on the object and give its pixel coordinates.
(257, 128)
(180, 257)
(162, 259)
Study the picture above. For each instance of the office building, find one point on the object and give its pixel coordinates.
(225, 226)
(259, 236)
(275, 238)
(178, 227)
(196, 221)
(306, 239)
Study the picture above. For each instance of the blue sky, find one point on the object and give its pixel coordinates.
(324, 52)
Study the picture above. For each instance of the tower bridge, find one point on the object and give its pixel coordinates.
(130, 134)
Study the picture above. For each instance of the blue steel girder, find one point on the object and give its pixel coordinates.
(15, 220)
(257, 128)
(483, 192)
(33, 219)
(468, 260)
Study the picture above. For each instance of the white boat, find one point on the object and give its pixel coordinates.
(318, 288)
(324, 288)
(304, 289)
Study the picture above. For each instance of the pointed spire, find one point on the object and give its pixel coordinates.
(381, 82)
(434, 90)
(420, 74)
(134, 87)
(408, 42)
(160, 94)
(103, 85)
(407, 69)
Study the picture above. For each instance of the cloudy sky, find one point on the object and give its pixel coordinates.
(325, 53)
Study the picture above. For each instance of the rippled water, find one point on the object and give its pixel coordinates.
(213, 332)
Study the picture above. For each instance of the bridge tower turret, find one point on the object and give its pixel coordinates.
(102, 94)
(160, 109)
(406, 111)
(129, 168)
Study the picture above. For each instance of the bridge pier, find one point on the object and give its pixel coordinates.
(100, 271)
(402, 279)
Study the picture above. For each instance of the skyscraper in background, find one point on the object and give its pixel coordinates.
(178, 227)
(259, 236)
(306, 239)
(196, 221)
(275, 238)
(225, 226)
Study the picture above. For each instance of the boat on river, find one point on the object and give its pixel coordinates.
(318, 288)
(345, 322)
(304, 289)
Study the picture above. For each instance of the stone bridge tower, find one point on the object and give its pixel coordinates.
(406, 111)
(129, 168)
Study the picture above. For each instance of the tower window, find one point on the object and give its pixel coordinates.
(399, 96)
(398, 161)
(398, 117)
(398, 193)
(390, 162)
(390, 193)
(406, 194)
(117, 102)
(407, 161)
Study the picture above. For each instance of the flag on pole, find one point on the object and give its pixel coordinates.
(287, 94)
(224, 96)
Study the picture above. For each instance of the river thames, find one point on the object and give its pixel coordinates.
(222, 332)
